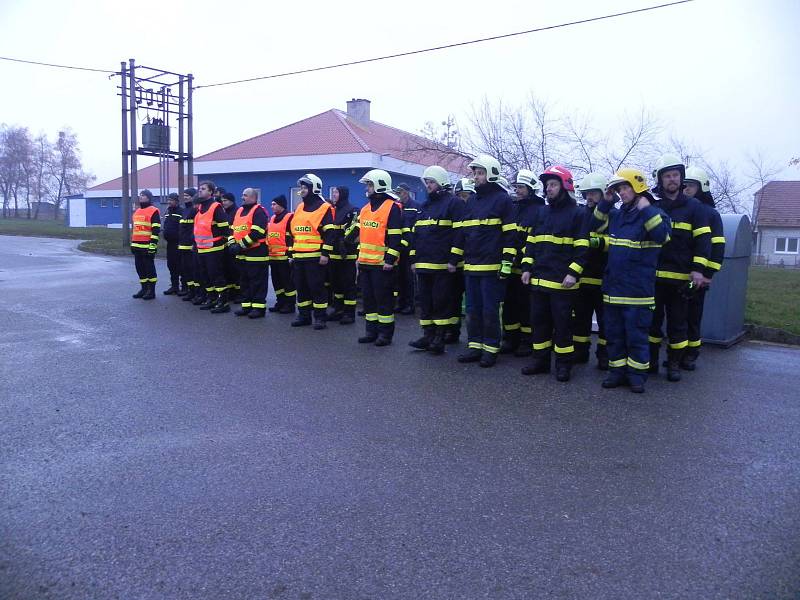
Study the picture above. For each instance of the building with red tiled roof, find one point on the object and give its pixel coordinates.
(776, 223)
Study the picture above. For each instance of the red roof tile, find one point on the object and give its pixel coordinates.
(778, 204)
(334, 132)
(148, 177)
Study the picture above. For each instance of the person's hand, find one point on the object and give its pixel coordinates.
(569, 281)
(526, 278)
(451, 268)
(697, 279)
(706, 282)
(642, 203)
(323, 260)
(387, 266)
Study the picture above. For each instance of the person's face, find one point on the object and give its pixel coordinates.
(522, 190)
(404, 196)
(691, 189)
(249, 198)
(217, 194)
(187, 198)
(552, 188)
(671, 181)
(625, 192)
(464, 196)
(277, 208)
(143, 199)
(172, 202)
(204, 192)
(335, 196)
(304, 191)
(479, 174)
(369, 188)
(593, 197)
(431, 186)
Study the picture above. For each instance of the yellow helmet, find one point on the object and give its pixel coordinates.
(634, 177)
(312, 181)
(491, 164)
(380, 179)
(437, 174)
(699, 177)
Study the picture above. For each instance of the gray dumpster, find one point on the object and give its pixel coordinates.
(723, 315)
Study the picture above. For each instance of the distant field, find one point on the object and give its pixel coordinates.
(773, 298)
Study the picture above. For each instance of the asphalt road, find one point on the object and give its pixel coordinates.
(151, 450)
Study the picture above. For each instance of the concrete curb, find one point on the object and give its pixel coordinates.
(771, 334)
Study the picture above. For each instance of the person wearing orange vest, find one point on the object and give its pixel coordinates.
(312, 231)
(279, 240)
(144, 243)
(210, 237)
(248, 243)
(380, 231)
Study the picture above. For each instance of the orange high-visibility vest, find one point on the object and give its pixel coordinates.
(203, 236)
(305, 230)
(276, 235)
(142, 226)
(243, 225)
(372, 227)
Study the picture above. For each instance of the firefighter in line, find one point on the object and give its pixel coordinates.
(248, 243)
(228, 201)
(484, 240)
(636, 233)
(312, 231)
(589, 295)
(343, 259)
(555, 257)
(171, 230)
(680, 265)
(211, 230)
(380, 230)
(144, 244)
(186, 245)
(279, 240)
(464, 190)
(202, 290)
(431, 240)
(516, 308)
(696, 185)
(406, 288)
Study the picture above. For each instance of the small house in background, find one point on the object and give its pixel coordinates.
(339, 147)
(101, 205)
(776, 224)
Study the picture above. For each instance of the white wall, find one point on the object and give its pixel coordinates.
(77, 212)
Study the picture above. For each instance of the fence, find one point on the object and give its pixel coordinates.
(790, 261)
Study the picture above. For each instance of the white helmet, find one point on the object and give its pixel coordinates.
(699, 177)
(380, 179)
(312, 181)
(527, 177)
(437, 174)
(592, 181)
(465, 185)
(491, 164)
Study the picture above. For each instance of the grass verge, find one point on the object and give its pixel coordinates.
(773, 298)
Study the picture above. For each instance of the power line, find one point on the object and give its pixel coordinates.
(455, 45)
(44, 64)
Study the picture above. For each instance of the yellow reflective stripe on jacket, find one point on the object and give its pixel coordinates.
(432, 266)
(212, 249)
(652, 222)
(476, 222)
(646, 301)
(612, 241)
(673, 275)
(455, 250)
(509, 227)
(552, 285)
(252, 258)
(553, 239)
(184, 247)
(700, 231)
(681, 225)
(718, 240)
(581, 242)
(576, 267)
(600, 215)
(469, 267)
(590, 281)
(700, 260)
(714, 265)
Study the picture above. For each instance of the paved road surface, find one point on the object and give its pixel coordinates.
(150, 450)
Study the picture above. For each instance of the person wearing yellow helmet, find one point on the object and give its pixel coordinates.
(527, 201)
(697, 185)
(589, 297)
(681, 264)
(636, 233)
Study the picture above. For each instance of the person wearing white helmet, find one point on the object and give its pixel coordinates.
(527, 201)
(485, 241)
(380, 231)
(681, 264)
(589, 296)
(464, 188)
(697, 185)
(431, 240)
(313, 235)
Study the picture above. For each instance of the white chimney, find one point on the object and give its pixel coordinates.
(358, 110)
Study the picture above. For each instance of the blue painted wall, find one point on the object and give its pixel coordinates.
(275, 183)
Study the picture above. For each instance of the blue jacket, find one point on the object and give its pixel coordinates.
(635, 238)
(690, 240)
(485, 236)
(717, 238)
(596, 257)
(186, 227)
(433, 233)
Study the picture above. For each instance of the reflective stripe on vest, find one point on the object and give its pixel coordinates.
(372, 233)
(276, 235)
(143, 225)
(203, 238)
(243, 225)
(305, 229)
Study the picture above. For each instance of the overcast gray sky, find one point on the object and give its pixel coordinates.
(725, 74)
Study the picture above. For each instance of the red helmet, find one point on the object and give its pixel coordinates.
(560, 173)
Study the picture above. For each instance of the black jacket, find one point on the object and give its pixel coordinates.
(689, 247)
(171, 225)
(186, 227)
(525, 213)
(597, 257)
(344, 215)
(433, 232)
(717, 237)
(326, 228)
(220, 227)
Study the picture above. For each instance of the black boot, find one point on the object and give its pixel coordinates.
(172, 289)
(141, 292)
(150, 291)
(276, 307)
(581, 354)
(614, 379)
(189, 296)
(510, 342)
(424, 342)
(539, 365)
(383, 340)
(602, 357)
(673, 370)
(348, 318)
(200, 298)
(452, 335)
(525, 349)
(470, 356)
(437, 343)
(287, 309)
(319, 320)
(369, 337)
(336, 315)
(688, 361)
(488, 359)
(256, 313)
(183, 290)
(563, 372)
(210, 302)
(242, 312)
(654, 351)
(221, 305)
(303, 318)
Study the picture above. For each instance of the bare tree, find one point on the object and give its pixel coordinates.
(43, 163)
(69, 175)
(15, 153)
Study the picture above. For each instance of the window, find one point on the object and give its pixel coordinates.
(330, 193)
(116, 202)
(103, 202)
(786, 245)
(294, 198)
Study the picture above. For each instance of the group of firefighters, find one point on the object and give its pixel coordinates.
(535, 266)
